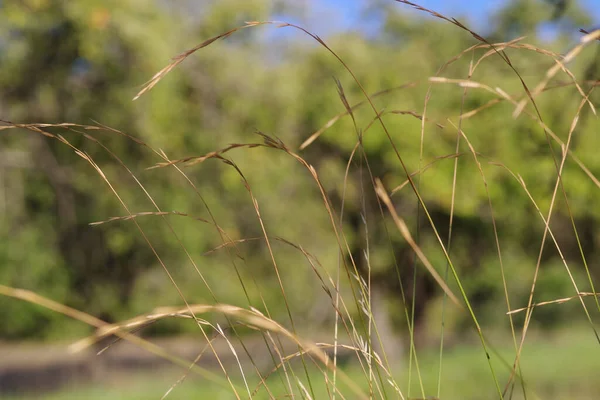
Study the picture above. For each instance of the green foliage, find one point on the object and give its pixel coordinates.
(78, 61)
(41, 268)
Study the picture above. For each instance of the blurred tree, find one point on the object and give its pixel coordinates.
(413, 48)
(78, 61)
(72, 62)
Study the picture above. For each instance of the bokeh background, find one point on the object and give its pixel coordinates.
(84, 61)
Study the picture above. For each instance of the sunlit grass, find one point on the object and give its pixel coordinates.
(548, 367)
(557, 366)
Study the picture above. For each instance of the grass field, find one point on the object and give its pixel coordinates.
(560, 366)
(350, 235)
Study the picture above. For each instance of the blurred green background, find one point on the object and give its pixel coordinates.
(83, 61)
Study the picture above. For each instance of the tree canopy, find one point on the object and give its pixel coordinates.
(83, 62)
